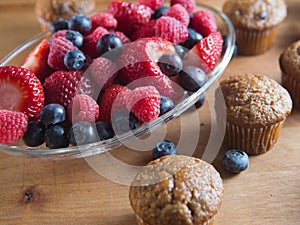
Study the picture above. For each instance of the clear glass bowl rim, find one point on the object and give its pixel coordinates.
(104, 146)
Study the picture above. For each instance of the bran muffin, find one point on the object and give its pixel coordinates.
(290, 66)
(256, 23)
(256, 108)
(176, 189)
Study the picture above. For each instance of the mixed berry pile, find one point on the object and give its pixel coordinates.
(106, 74)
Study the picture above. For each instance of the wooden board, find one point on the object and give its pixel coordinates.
(71, 192)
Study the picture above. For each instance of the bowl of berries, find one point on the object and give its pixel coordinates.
(95, 82)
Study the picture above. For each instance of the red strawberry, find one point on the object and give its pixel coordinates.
(61, 86)
(147, 30)
(90, 42)
(204, 23)
(103, 72)
(37, 59)
(171, 29)
(139, 59)
(178, 12)
(209, 50)
(103, 19)
(153, 4)
(58, 49)
(130, 16)
(122, 36)
(83, 108)
(21, 90)
(13, 126)
(144, 102)
(113, 98)
(189, 5)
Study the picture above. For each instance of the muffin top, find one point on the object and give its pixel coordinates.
(255, 100)
(255, 14)
(176, 189)
(290, 60)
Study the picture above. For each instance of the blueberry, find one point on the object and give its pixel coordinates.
(56, 137)
(192, 78)
(200, 102)
(163, 148)
(104, 130)
(166, 104)
(60, 24)
(235, 161)
(108, 42)
(35, 134)
(191, 15)
(170, 64)
(181, 51)
(123, 121)
(52, 114)
(193, 38)
(82, 133)
(159, 12)
(75, 37)
(74, 60)
(81, 23)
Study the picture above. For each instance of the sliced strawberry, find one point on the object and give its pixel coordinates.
(144, 102)
(139, 59)
(209, 50)
(204, 23)
(21, 90)
(178, 12)
(189, 5)
(37, 59)
(130, 16)
(13, 126)
(153, 4)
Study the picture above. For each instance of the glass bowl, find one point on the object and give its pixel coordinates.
(17, 56)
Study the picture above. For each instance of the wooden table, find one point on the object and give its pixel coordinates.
(71, 192)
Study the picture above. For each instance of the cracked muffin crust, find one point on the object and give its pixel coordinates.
(176, 189)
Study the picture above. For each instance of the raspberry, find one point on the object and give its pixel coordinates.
(144, 102)
(147, 30)
(60, 33)
(112, 99)
(83, 108)
(171, 29)
(103, 72)
(204, 23)
(130, 16)
(153, 4)
(13, 126)
(189, 5)
(62, 86)
(122, 36)
(58, 49)
(90, 42)
(178, 12)
(103, 19)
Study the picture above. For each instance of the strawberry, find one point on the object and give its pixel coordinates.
(21, 90)
(58, 49)
(90, 42)
(147, 30)
(204, 23)
(122, 36)
(13, 126)
(61, 86)
(103, 72)
(209, 50)
(114, 98)
(83, 108)
(178, 12)
(189, 5)
(130, 16)
(144, 102)
(153, 4)
(139, 59)
(103, 19)
(37, 59)
(171, 29)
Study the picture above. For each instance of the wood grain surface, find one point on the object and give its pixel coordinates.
(72, 192)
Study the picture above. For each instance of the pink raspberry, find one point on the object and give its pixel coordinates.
(153, 4)
(103, 19)
(148, 30)
(204, 23)
(178, 12)
(189, 5)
